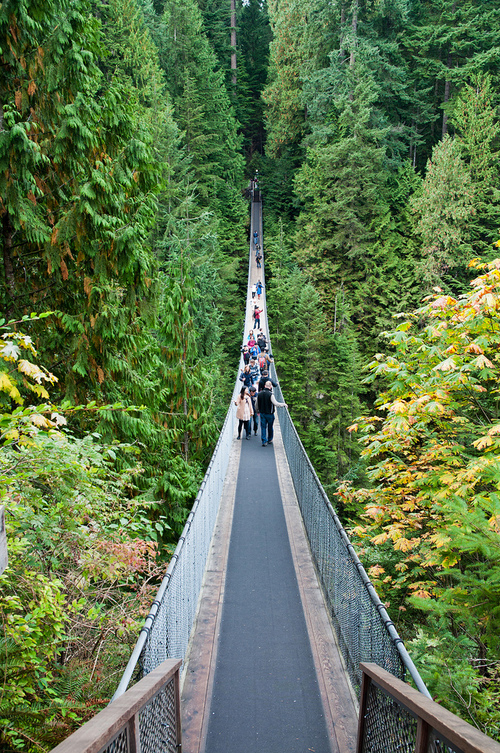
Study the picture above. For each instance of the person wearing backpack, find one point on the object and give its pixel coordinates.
(254, 371)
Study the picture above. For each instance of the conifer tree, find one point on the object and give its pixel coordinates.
(444, 209)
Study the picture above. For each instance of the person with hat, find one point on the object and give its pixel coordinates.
(266, 404)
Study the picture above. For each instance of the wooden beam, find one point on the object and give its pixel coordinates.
(93, 736)
(455, 730)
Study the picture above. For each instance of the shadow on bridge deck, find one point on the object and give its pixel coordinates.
(263, 672)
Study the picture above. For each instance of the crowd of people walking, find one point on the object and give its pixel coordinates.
(256, 403)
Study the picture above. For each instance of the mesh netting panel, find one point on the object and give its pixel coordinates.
(170, 631)
(391, 728)
(360, 630)
(157, 722)
(119, 745)
(388, 726)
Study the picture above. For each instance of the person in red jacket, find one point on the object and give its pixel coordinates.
(256, 316)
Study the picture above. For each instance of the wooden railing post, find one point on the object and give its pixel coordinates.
(134, 734)
(365, 689)
(433, 721)
(422, 741)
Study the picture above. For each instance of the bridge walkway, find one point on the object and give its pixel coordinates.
(263, 671)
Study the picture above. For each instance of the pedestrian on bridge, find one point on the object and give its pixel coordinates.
(265, 378)
(254, 290)
(261, 340)
(258, 259)
(246, 377)
(253, 398)
(256, 316)
(267, 403)
(244, 412)
(258, 289)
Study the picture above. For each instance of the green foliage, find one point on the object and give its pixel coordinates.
(318, 368)
(82, 553)
(430, 525)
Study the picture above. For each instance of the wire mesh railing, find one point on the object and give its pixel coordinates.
(364, 630)
(146, 718)
(167, 629)
(395, 718)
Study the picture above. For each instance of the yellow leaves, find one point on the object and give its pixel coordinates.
(53, 237)
(37, 419)
(18, 99)
(443, 302)
(447, 365)
(405, 545)
(32, 197)
(352, 428)
(494, 523)
(375, 570)
(491, 301)
(100, 375)
(87, 285)
(35, 372)
(473, 348)
(482, 362)
(39, 390)
(31, 88)
(380, 539)
(483, 442)
(440, 539)
(8, 386)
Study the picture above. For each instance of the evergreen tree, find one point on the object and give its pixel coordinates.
(475, 121)
(444, 209)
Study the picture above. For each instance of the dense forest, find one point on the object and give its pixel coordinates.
(129, 130)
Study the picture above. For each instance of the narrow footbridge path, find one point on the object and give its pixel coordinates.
(266, 635)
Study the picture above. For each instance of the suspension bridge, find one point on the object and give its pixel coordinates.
(266, 635)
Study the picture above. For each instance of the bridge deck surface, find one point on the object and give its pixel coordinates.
(263, 673)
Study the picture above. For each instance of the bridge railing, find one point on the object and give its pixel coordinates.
(364, 630)
(166, 631)
(395, 717)
(145, 718)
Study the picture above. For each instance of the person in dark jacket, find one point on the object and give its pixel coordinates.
(246, 377)
(265, 378)
(253, 397)
(266, 404)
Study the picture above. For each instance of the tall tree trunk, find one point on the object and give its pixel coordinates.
(233, 40)
(10, 280)
(352, 59)
(447, 86)
(342, 22)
